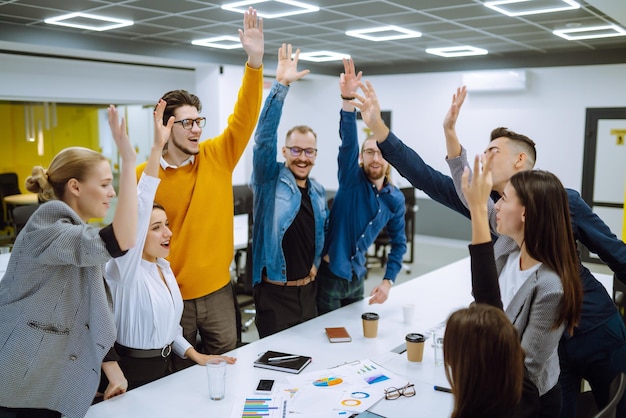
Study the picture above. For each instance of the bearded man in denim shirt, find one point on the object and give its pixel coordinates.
(365, 203)
(290, 213)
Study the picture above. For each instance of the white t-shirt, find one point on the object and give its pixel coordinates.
(512, 277)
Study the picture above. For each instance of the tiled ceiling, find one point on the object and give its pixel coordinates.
(164, 29)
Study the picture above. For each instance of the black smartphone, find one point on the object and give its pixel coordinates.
(264, 386)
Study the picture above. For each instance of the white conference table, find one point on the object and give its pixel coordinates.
(435, 295)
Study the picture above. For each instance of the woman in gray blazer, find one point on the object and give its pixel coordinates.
(537, 285)
(56, 321)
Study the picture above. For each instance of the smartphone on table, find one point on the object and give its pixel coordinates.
(264, 387)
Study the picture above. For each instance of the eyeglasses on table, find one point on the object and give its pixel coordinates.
(394, 393)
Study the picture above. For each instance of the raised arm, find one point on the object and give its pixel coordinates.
(485, 286)
(252, 38)
(453, 146)
(264, 164)
(348, 156)
(125, 217)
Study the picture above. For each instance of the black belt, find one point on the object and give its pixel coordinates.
(138, 353)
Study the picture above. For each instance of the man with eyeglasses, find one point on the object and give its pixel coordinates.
(196, 191)
(290, 213)
(365, 203)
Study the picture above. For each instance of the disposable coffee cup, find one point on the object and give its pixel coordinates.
(408, 313)
(370, 324)
(415, 346)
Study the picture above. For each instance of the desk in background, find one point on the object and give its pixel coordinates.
(21, 199)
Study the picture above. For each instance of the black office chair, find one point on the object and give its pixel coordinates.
(9, 185)
(21, 214)
(587, 406)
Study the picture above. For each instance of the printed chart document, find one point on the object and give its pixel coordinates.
(352, 387)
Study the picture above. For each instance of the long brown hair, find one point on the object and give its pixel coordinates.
(484, 361)
(548, 236)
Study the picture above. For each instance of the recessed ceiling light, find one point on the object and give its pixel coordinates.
(285, 8)
(322, 56)
(88, 21)
(519, 8)
(385, 33)
(590, 32)
(221, 42)
(457, 51)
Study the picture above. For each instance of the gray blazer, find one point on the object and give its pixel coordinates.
(534, 307)
(56, 321)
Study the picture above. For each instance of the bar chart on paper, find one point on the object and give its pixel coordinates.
(262, 407)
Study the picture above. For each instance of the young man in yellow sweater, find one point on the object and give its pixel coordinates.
(196, 191)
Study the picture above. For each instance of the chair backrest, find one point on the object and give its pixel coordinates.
(21, 214)
(617, 391)
(9, 184)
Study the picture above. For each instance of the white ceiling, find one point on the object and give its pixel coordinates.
(164, 29)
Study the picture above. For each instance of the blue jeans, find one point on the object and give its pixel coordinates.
(333, 292)
(596, 356)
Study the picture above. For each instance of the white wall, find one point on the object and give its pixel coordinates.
(551, 112)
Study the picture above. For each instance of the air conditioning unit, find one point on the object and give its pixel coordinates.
(501, 80)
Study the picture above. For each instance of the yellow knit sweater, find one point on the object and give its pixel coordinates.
(198, 198)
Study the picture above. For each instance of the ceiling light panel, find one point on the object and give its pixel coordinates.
(531, 7)
(590, 32)
(271, 9)
(322, 56)
(221, 42)
(384, 33)
(457, 51)
(88, 21)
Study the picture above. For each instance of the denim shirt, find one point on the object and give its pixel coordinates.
(587, 227)
(360, 211)
(277, 197)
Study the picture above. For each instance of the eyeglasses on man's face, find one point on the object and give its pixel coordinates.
(188, 123)
(394, 393)
(371, 153)
(297, 151)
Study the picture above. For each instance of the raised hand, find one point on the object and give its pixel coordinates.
(287, 68)
(478, 190)
(161, 132)
(349, 80)
(370, 111)
(449, 122)
(120, 136)
(251, 38)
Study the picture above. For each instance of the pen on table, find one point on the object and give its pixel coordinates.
(442, 389)
(282, 358)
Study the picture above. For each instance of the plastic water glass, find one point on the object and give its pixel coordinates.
(216, 373)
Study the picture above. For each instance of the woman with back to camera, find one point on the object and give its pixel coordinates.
(146, 298)
(538, 286)
(484, 362)
(56, 321)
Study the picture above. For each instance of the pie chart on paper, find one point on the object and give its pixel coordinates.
(328, 381)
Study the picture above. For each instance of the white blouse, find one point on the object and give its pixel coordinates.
(147, 312)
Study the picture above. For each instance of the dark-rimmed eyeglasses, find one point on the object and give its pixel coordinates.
(188, 123)
(297, 151)
(394, 393)
(371, 153)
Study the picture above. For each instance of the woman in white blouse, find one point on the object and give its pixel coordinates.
(146, 298)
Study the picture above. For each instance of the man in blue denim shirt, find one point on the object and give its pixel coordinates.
(365, 203)
(290, 213)
(597, 350)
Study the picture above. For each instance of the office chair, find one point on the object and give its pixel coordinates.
(243, 201)
(9, 185)
(587, 406)
(21, 214)
(382, 241)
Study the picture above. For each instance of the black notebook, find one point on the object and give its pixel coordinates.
(283, 362)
